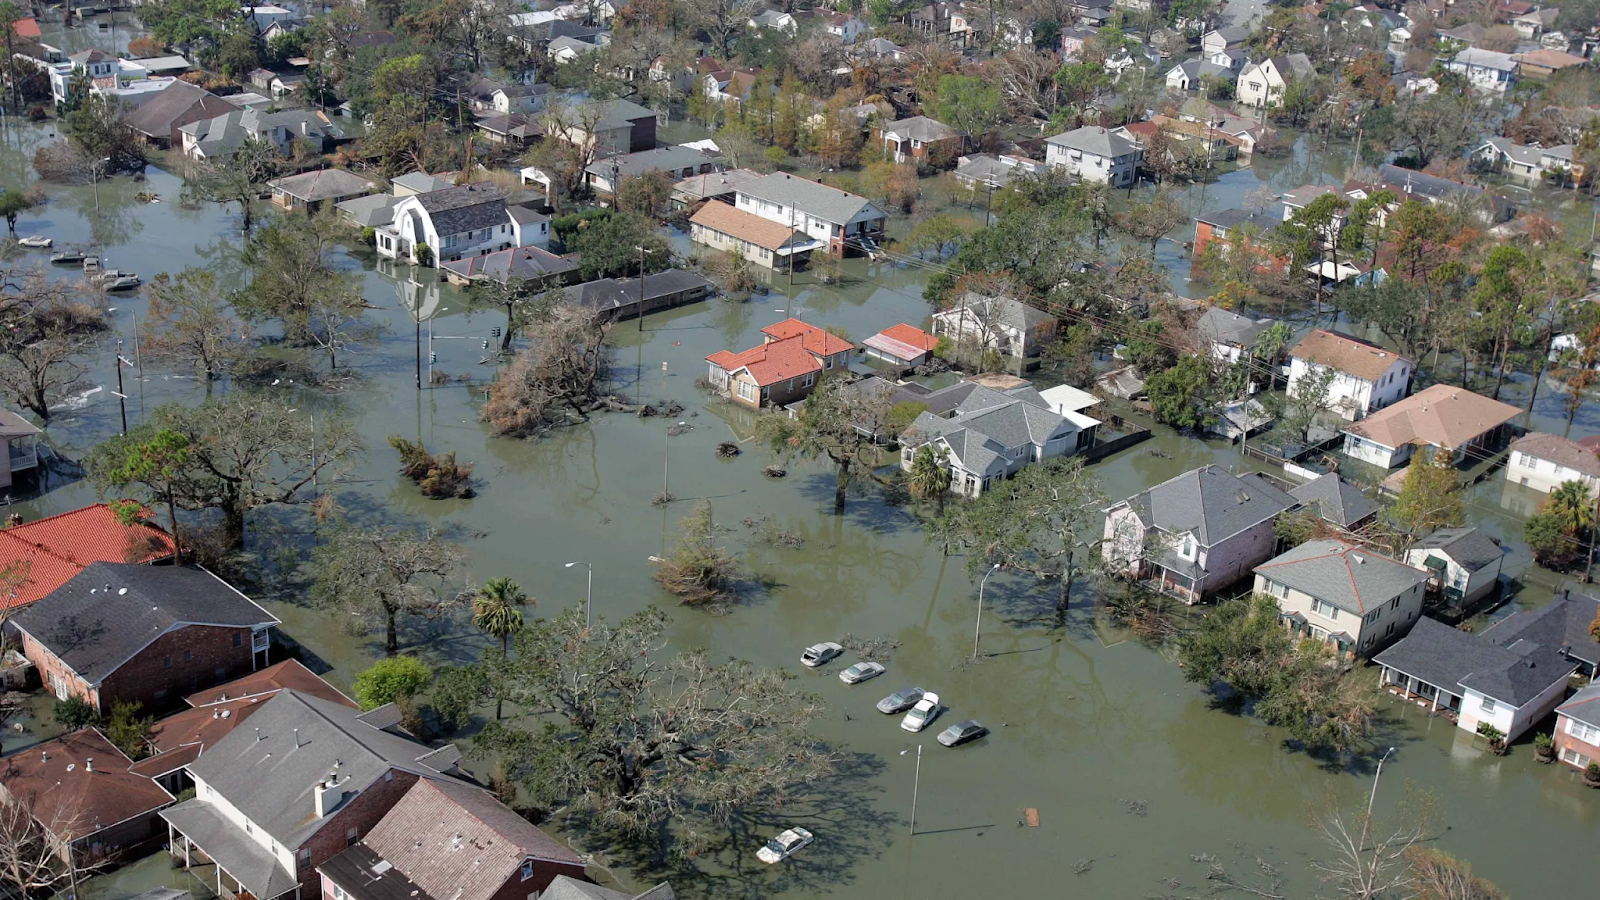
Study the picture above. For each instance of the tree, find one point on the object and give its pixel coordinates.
(895, 184)
(941, 235)
(1572, 506)
(386, 573)
(293, 282)
(191, 324)
(44, 331)
(1297, 410)
(1364, 862)
(556, 380)
(13, 202)
(438, 476)
(389, 680)
(969, 104)
(1436, 875)
(697, 569)
(836, 422)
(1148, 221)
(636, 738)
(646, 194)
(31, 853)
(1180, 395)
(928, 478)
(102, 136)
(129, 731)
(609, 247)
(496, 612)
(232, 179)
(1430, 496)
(724, 20)
(234, 454)
(1551, 544)
(1505, 298)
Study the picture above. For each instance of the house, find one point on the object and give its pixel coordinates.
(920, 139)
(777, 19)
(310, 190)
(224, 134)
(1463, 564)
(505, 98)
(1531, 161)
(730, 85)
(624, 298)
(158, 119)
(19, 440)
(78, 789)
(564, 888)
(1546, 61)
(845, 27)
(721, 186)
(307, 779)
(1346, 595)
(123, 632)
(449, 224)
(1409, 184)
(1336, 501)
(607, 127)
(900, 345)
(1577, 732)
(1064, 398)
(1002, 324)
(605, 174)
(566, 48)
(515, 129)
(844, 220)
(993, 172)
(53, 550)
(983, 435)
(1448, 418)
(1232, 337)
(784, 368)
(1219, 39)
(1194, 534)
(179, 739)
(1367, 377)
(372, 211)
(1485, 70)
(1188, 75)
(412, 184)
(1531, 25)
(1092, 153)
(504, 266)
(448, 840)
(1229, 226)
(1544, 461)
(1477, 678)
(750, 237)
(102, 69)
(1263, 84)
(878, 49)
(1074, 39)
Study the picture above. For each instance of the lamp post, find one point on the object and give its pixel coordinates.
(588, 596)
(978, 629)
(431, 354)
(642, 252)
(916, 784)
(94, 172)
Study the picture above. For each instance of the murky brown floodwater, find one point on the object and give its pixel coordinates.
(1088, 728)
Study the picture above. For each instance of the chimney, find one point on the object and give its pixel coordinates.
(44, 756)
(327, 796)
(88, 764)
(297, 738)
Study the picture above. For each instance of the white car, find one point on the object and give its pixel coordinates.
(784, 846)
(926, 710)
(818, 654)
(860, 672)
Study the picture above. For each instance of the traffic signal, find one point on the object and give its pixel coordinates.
(433, 358)
(494, 332)
(485, 345)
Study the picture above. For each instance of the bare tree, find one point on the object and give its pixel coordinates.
(386, 573)
(44, 331)
(1365, 860)
(724, 20)
(35, 855)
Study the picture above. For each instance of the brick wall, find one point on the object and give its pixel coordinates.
(543, 873)
(1566, 744)
(178, 663)
(51, 669)
(361, 814)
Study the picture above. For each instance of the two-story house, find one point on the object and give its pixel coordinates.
(1231, 337)
(846, 222)
(456, 222)
(119, 632)
(1450, 419)
(1093, 153)
(605, 127)
(223, 135)
(1351, 597)
(1195, 533)
(1219, 39)
(1004, 325)
(1263, 83)
(1578, 728)
(783, 368)
(847, 28)
(984, 436)
(102, 69)
(1366, 377)
(920, 138)
(1229, 227)
(1486, 70)
(1463, 564)
(1543, 461)
(302, 781)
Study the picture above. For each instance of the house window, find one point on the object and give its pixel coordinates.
(1188, 546)
(338, 892)
(1323, 608)
(1281, 591)
(187, 656)
(1487, 705)
(304, 856)
(808, 380)
(166, 662)
(1574, 758)
(747, 391)
(1395, 603)
(1583, 732)
(351, 836)
(238, 639)
(527, 869)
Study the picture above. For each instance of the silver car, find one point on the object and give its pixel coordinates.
(900, 701)
(926, 710)
(860, 672)
(818, 654)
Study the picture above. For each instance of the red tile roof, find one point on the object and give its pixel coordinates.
(770, 363)
(28, 28)
(814, 339)
(910, 334)
(70, 797)
(56, 548)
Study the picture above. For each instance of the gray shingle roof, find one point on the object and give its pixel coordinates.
(293, 741)
(565, 888)
(1096, 140)
(1352, 578)
(922, 128)
(1515, 673)
(322, 184)
(1584, 705)
(658, 160)
(817, 200)
(371, 211)
(420, 182)
(1469, 547)
(1563, 623)
(235, 852)
(613, 294)
(1228, 327)
(96, 629)
(465, 207)
(155, 116)
(1433, 652)
(1519, 673)
(1411, 181)
(1557, 449)
(1208, 501)
(1011, 312)
(1335, 500)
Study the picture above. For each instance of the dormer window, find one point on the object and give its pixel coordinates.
(527, 869)
(1188, 546)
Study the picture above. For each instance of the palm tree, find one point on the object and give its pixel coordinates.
(928, 478)
(1572, 506)
(495, 613)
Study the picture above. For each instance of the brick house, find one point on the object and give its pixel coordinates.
(1224, 225)
(783, 369)
(143, 634)
(450, 840)
(306, 780)
(1578, 728)
(53, 549)
(920, 139)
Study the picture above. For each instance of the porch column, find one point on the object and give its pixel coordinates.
(1383, 675)
(1410, 681)
(1435, 708)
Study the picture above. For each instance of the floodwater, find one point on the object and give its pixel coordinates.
(1131, 771)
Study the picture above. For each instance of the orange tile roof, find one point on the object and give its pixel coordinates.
(910, 334)
(737, 223)
(56, 548)
(815, 340)
(770, 363)
(1345, 353)
(28, 28)
(1441, 416)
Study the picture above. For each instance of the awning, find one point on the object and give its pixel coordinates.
(799, 247)
(245, 861)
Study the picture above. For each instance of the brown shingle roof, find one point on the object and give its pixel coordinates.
(418, 836)
(1441, 416)
(1559, 450)
(71, 798)
(1345, 353)
(745, 226)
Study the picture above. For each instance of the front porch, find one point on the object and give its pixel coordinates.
(1301, 629)
(1430, 697)
(233, 863)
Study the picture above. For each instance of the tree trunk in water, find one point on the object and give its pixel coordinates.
(233, 525)
(505, 339)
(249, 220)
(391, 635)
(1500, 369)
(1544, 360)
(1064, 599)
(38, 404)
(499, 701)
(841, 484)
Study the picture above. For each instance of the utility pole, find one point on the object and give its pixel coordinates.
(122, 397)
(916, 785)
(642, 252)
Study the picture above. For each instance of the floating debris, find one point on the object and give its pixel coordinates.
(728, 449)
(774, 471)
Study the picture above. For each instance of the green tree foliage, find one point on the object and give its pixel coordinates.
(637, 737)
(191, 325)
(928, 479)
(438, 476)
(14, 203)
(390, 680)
(102, 136)
(456, 691)
(836, 423)
(698, 568)
(1297, 409)
(155, 461)
(609, 247)
(1181, 395)
(384, 573)
(293, 281)
(496, 610)
(239, 178)
(74, 713)
(1430, 496)
(128, 731)
(969, 104)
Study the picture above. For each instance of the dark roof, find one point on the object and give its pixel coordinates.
(1411, 181)
(1562, 623)
(365, 875)
(465, 207)
(517, 262)
(155, 116)
(1444, 657)
(1228, 327)
(1233, 218)
(514, 125)
(1433, 652)
(1584, 705)
(370, 39)
(1521, 672)
(1335, 500)
(608, 294)
(1470, 548)
(323, 184)
(109, 612)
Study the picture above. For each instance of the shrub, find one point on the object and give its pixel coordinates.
(698, 570)
(128, 730)
(369, 236)
(424, 254)
(74, 713)
(391, 679)
(439, 477)
(1544, 747)
(1591, 774)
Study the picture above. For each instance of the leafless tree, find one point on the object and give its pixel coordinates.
(384, 573)
(44, 331)
(724, 20)
(557, 379)
(33, 853)
(1367, 860)
(1027, 82)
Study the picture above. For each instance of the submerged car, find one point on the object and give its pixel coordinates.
(860, 672)
(961, 732)
(784, 845)
(817, 654)
(926, 710)
(900, 701)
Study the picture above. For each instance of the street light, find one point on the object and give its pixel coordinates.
(589, 594)
(94, 172)
(978, 629)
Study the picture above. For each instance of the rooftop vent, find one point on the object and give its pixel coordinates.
(455, 842)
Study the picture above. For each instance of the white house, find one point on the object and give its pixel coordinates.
(1543, 461)
(1344, 594)
(1223, 38)
(845, 221)
(1187, 75)
(1446, 418)
(985, 436)
(1005, 325)
(777, 19)
(1367, 377)
(1231, 336)
(845, 27)
(455, 222)
(1093, 153)
(1263, 83)
(1463, 564)
(1486, 70)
